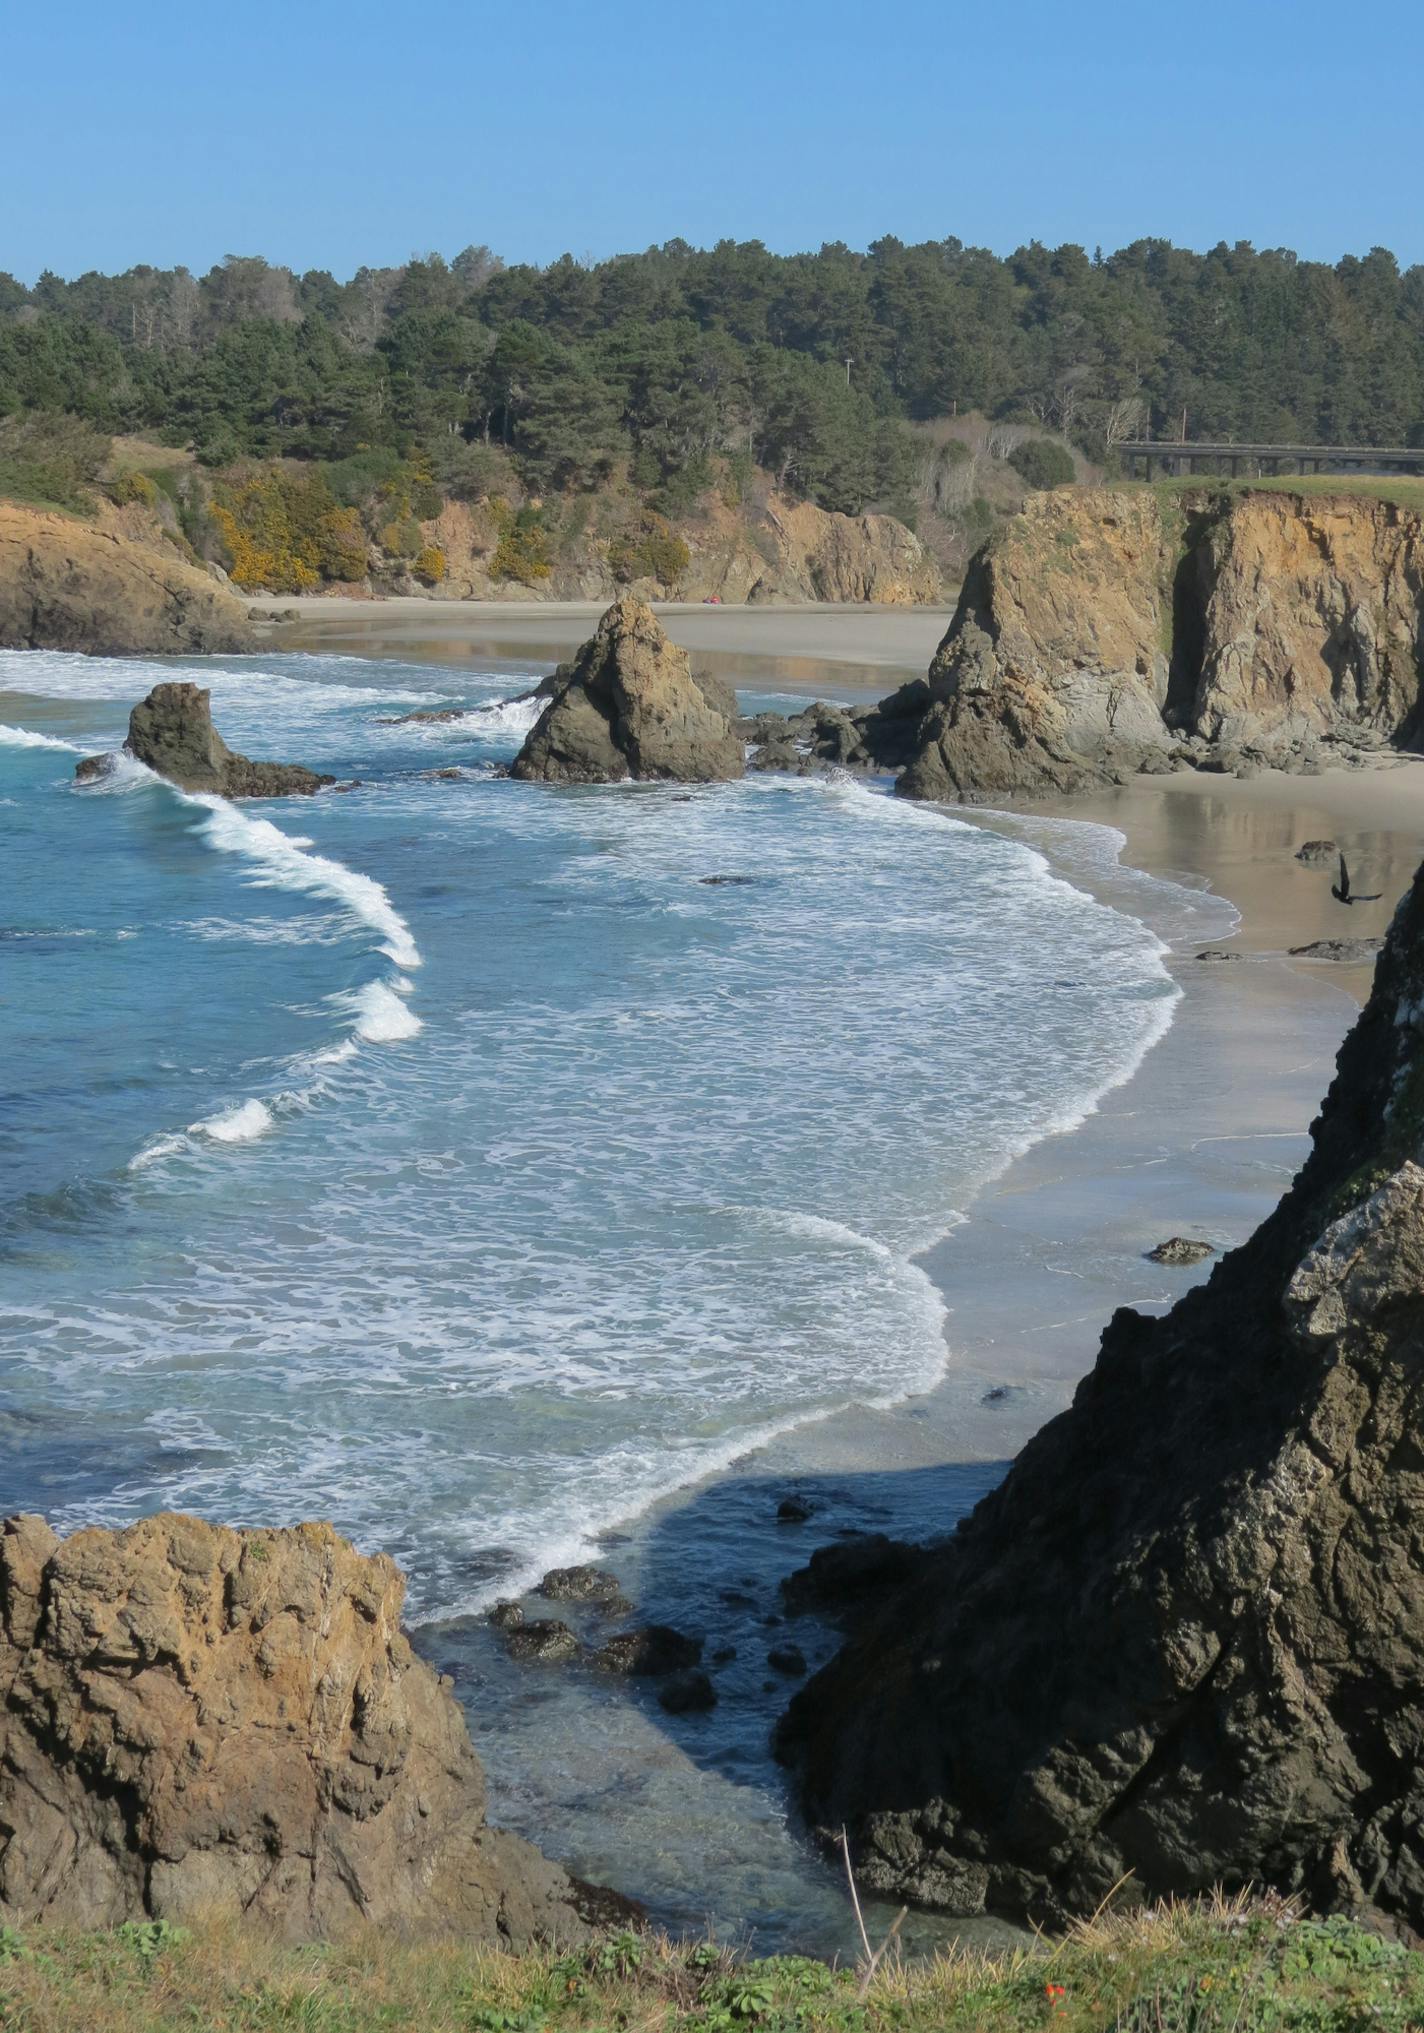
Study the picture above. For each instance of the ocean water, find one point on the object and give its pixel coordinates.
(450, 1157)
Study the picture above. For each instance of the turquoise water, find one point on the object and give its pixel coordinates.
(450, 1158)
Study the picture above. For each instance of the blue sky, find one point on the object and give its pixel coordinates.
(327, 135)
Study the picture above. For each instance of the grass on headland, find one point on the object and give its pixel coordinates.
(1404, 490)
(1222, 1967)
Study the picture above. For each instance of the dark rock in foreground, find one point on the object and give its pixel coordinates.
(1182, 1249)
(1182, 1644)
(844, 1575)
(172, 733)
(199, 1724)
(628, 705)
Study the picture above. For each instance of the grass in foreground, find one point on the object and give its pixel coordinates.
(1225, 1967)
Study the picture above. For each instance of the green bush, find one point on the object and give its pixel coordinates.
(129, 487)
(1043, 462)
(51, 460)
(653, 551)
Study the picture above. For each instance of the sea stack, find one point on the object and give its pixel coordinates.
(1182, 1644)
(629, 705)
(172, 732)
(204, 1724)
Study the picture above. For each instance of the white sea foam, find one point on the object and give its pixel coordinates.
(281, 862)
(120, 775)
(238, 1125)
(23, 737)
(62, 674)
(380, 1017)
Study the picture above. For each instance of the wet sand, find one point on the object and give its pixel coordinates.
(869, 649)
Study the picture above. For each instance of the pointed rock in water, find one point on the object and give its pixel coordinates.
(172, 733)
(1182, 1644)
(1182, 1249)
(205, 1724)
(629, 705)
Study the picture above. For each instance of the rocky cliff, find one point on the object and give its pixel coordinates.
(629, 705)
(787, 552)
(172, 732)
(1182, 1644)
(197, 1724)
(1105, 631)
(77, 585)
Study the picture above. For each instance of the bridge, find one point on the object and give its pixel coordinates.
(1141, 455)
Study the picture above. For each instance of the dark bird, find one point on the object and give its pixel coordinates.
(1341, 890)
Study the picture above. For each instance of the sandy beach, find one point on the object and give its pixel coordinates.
(869, 649)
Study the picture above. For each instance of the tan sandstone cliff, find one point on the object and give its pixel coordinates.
(71, 584)
(791, 552)
(200, 1724)
(1104, 631)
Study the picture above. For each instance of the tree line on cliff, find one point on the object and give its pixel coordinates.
(809, 366)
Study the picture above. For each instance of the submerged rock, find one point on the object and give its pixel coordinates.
(652, 1649)
(1182, 1249)
(205, 1724)
(580, 1584)
(1182, 1644)
(1318, 853)
(172, 733)
(687, 1693)
(545, 1641)
(1346, 952)
(628, 705)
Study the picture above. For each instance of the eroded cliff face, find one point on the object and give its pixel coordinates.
(199, 1724)
(94, 586)
(1107, 631)
(1182, 1644)
(794, 552)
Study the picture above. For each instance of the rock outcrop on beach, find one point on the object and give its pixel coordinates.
(76, 585)
(202, 1724)
(629, 705)
(172, 733)
(1105, 631)
(1182, 1644)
